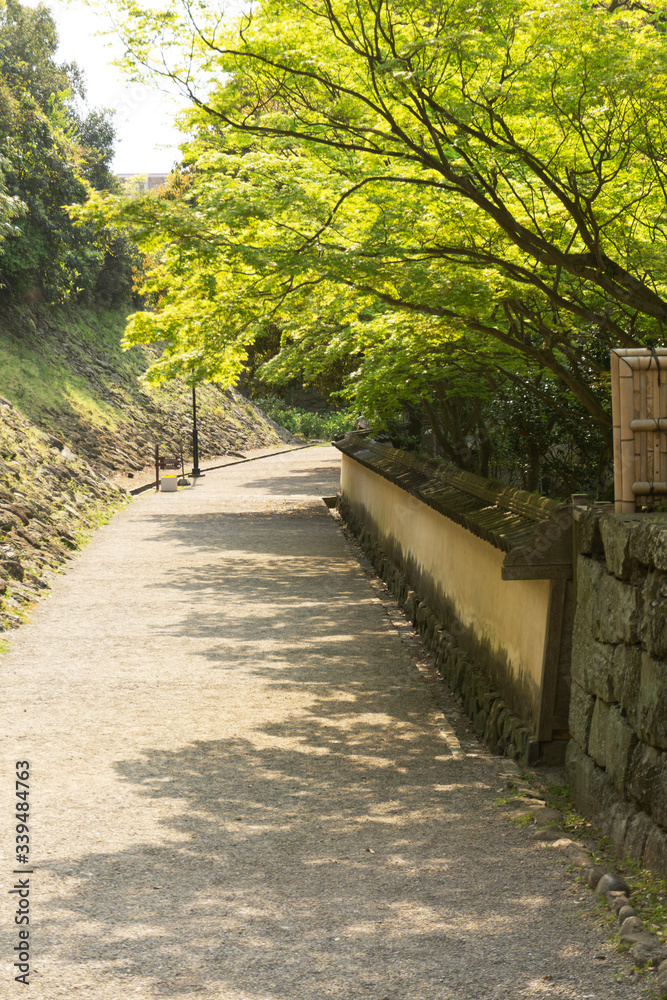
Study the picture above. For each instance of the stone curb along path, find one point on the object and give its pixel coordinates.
(241, 787)
(646, 948)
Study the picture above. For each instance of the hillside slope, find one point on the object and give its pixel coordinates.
(78, 427)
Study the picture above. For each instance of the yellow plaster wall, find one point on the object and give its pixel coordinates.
(508, 617)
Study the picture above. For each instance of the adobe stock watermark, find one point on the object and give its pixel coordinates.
(20, 891)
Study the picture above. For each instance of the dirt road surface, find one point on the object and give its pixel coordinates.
(242, 789)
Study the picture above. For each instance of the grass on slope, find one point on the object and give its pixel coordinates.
(36, 373)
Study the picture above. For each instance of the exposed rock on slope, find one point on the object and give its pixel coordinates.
(101, 409)
(49, 501)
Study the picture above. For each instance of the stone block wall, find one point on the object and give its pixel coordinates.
(617, 758)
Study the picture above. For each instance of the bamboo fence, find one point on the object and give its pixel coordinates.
(639, 409)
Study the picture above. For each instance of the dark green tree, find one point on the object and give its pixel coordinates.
(53, 153)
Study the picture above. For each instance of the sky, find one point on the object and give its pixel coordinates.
(147, 141)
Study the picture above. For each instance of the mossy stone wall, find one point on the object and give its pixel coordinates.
(617, 758)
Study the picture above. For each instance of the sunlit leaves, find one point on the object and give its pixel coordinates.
(396, 182)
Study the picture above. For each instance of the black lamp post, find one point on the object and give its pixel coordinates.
(196, 471)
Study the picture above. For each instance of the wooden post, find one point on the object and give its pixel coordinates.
(626, 393)
(551, 657)
(616, 417)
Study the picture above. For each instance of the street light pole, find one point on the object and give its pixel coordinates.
(196, 471)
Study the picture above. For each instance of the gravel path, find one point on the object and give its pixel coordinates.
(241, 787)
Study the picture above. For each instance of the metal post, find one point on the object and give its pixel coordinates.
(196, 471)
